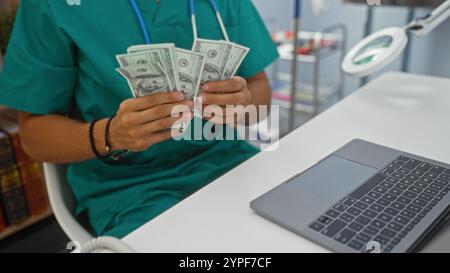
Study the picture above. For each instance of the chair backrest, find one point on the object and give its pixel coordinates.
(62, 202)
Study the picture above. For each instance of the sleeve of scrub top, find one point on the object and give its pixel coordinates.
(39, 74)
(254, 34)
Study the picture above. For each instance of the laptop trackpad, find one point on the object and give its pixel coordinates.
(332, 178)
(304, 198)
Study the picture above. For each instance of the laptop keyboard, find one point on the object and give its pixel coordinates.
(387, 207)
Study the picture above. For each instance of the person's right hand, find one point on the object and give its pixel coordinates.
(143, 122)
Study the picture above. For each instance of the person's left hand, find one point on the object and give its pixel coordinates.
(216, 96)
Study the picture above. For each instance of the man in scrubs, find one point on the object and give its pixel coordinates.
(59, 72)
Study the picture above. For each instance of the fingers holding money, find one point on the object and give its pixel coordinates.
(142, 137)
(160, 111)
(228, 92)
(231, 85)
(226, 100)
(162, 124)
(139, 120)
(125, 136)
(236, 98)
(144, 103)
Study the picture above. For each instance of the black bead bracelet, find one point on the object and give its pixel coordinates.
(92, 141)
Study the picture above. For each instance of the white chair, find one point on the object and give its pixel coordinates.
(62, 202)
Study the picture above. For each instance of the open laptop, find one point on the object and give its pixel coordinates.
(366, 198)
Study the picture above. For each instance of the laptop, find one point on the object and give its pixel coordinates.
(366, 197)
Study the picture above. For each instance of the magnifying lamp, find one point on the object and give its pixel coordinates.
(381, 48)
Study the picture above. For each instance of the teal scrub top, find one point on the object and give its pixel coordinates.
(61, 60)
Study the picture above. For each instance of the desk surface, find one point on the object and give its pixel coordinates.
(402, 111)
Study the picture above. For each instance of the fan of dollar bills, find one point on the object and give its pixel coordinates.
(151, 69)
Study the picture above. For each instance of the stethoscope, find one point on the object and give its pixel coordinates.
(192, 12)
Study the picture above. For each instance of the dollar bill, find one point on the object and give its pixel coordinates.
(145, 58)
(145, 79)
(139, 48)
(217, 54)
(167, 54)
(237, 56)
(190, 67)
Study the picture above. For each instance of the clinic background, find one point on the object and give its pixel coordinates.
(427, 56)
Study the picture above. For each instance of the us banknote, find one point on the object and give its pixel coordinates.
(146, 58)
(190, 67)
(145, 79)
(167, 56)
(237, 56)
(217, 54)
(151, 68)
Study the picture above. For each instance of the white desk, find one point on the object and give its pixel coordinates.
(403, 111)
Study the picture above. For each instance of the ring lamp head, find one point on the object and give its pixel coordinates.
(375, 52)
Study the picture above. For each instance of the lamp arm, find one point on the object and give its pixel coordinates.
(424, 25)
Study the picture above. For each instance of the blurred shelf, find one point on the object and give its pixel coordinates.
(323, 53)
(304, 100)
(10, 230)
(281, 37)
(314, 47)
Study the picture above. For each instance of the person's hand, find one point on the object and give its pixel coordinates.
(216, 96)
(143, 122)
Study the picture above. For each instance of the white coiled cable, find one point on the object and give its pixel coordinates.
(101, 243)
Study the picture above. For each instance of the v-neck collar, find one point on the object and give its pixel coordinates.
(158, 10)
(151, 7)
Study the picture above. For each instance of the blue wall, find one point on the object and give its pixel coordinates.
(429, 55)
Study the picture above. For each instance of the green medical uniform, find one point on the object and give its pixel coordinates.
(61, 60)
